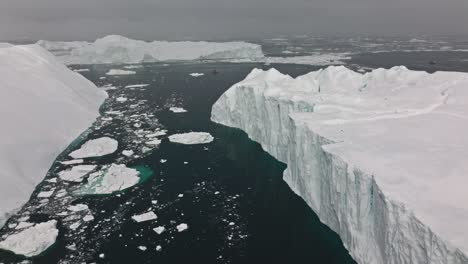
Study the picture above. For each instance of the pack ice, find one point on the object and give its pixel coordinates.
(119, 49)
(44, 106)
(381, 157)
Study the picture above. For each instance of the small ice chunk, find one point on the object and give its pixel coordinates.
(52, 180)
(81, 70)
(158, 248)
(159, 230)
(177, 110)
(119, 72)
(182, 227)
(46, 194)
(72, 162)
(180, 195)
(33, 240)
(195, 74)
(163, 161)
(128, 153)
(156, 134)
(145, 217)
(77, 173)
(142, 248)
(96, 148)
(88, 218)
(136, 86)
(192, 138)
(77, 207)
(154, 201)
(154, 142)
(121, 99)
(102, 255)
(75, 226)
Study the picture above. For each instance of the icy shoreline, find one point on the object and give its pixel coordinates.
(359, 153)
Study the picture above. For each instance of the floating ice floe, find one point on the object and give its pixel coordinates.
(130, 67)
(142, 248)
(196, 74)
(110, 179)
(149, 216)
(154, 142)
(32, 241)
(177, 110)
(88, 218)
(23, 225)
(137, 86)
(46, 194)
(72, 162)
(76, 173)
(81, 70)
(182, 227)
(159, 230)
(128, 153)
(192, 138)
(156, 134)
(121, 99)
(96, 148)
(120, 72)
(77, 207)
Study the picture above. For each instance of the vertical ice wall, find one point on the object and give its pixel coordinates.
(324, 167)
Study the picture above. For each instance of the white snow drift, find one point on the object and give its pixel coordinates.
(96, 148)
(33, 240)
(118, 49)
(44, 106)
(192, 138)
(382, 158)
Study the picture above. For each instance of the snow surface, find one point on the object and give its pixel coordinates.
(119, 49)
(44, 106)
(77, 173)
(191, 138)
(33, 240)
(145, 217)
(96, 148)
(110, 179)
(381, 157)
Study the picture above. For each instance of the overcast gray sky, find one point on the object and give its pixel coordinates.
(216, 19)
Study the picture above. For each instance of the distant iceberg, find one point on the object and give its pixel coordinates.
(381, 157)
(119, 49)
(44, 106)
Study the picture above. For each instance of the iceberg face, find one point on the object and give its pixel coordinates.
(118, 49)
(43, 107)
(380, 157)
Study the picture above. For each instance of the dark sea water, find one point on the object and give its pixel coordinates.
(237, 207)
(229, 192)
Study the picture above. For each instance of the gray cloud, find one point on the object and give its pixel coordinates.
(217, 19)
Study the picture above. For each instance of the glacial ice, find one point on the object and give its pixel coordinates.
(43, 107)
(381, 157)
(32, 241)
(96, 148)
(191, 138)
(119, 49)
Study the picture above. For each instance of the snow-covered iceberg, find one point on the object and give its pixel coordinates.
(381, 157)
(44, 106)
(119, 49)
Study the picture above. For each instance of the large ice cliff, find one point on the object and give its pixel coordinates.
(119, 49)
(44, 106)
(381, 157)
